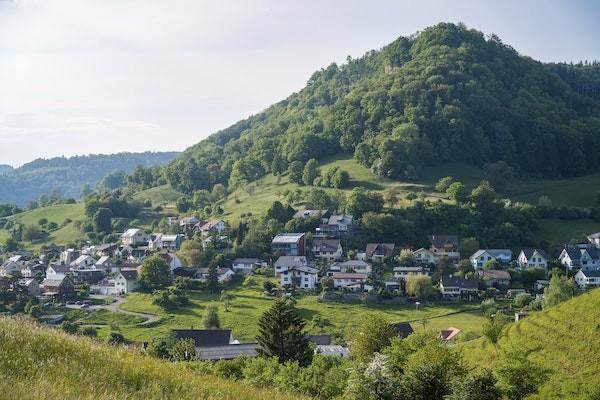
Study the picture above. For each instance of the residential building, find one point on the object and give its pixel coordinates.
(445, 246)
(212, 227)
(68, 256)
(285, 262)
(59, 286)
(377, 252)
(327, 249)
(172, 259)
(126, 281)
(302, 277)
(57, 269)
(585, 256)
(223, 274)
(357, 266)
(189, 223)
(105, 264)
(455, 287)
(161, 241)
(342, 221)
(349, 280)
(495, 278)
(448, 335)
(403, 272)
(587, 279)
(83, 262)
(289, 244)
(10, 268)
(216, 344)
(532, 258)
(594, 239)
(247, 265)
(480, 257)
(135, 237)
(305, 214)
(30, 286)
(424, 256)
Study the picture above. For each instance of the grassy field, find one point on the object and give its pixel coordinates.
(249, 303)
(564, 339)
(159, 195)
(557, 231)
(43, 364)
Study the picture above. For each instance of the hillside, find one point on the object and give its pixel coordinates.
(5, 168)
(41, 363)
(564, 339)
(69, 175)
(447, 94)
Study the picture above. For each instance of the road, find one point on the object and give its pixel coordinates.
(116, 307)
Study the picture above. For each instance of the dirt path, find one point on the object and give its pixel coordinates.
(116, 307)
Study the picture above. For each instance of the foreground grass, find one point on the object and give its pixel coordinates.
(250, 303)
(565, 339)
(40, 363)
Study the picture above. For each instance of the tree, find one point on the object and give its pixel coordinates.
(89, 331)
(518, 376)
(154, 273)
(281, 334)
(183, 350)
(499, 174)
(191, 252)
(361, 201)
(226, 298)
(183, 204)
(521, 300)
(468, 246)
(295, 171)
(268, 286)
(115, 338)
(102, 220)
(390, 195)
(492, 329)
(279, 212)
(443, 184)
(310, 172)
(212, 281)
(479, 385)
(560, 289)
(483, 195)
(491, 264)
(69, 327)
(372, 334)
(457, 192)
(340, 180)
(327, 283)
(419, 286)
(210, 319)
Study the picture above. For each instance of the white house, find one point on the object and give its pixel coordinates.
(584, 256)
(327, 249)
(342, 221)
(594, 239)
(358, 266)
(246, 265)
(454, 287)
(213, 226)
(166, 242)
(587, 279)
(83, 262)
(301, 277)
(57, 270)
(404, 272)
(135, 237)
(286, 262)
(349, 280)
(480, 257)
(223, 274)
(172, 259)
(532, 258)
(424, 256)
(126, 281)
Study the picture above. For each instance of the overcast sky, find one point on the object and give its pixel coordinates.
(103, 76)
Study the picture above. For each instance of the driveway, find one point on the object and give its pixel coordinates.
(116, 307)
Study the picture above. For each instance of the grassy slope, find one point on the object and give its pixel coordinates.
(564, 339)
(249, 304)
(158, 195)
(40, 363)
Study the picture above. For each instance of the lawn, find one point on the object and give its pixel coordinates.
(557, 231)
(249, 303)
(159, 195)
(106, 317)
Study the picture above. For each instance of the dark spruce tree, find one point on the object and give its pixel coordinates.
(212, 281)
(281, 334)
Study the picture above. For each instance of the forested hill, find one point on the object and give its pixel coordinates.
(5, 168)
(67, 176)
(448, 93)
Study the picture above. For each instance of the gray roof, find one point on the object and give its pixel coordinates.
(228, 352)
(493, 252)
(591, 274)
(129, 274)
(326, 244)
(322, 340)
(341, 219)
(439, 241)
(529, 253)
(246, 261)
(455, 281)
(291, 261)
(287, 237)
(575, 252)
(205, 337)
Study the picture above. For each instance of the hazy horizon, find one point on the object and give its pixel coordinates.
(84, 76)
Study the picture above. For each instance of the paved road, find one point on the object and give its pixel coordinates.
(116, 307)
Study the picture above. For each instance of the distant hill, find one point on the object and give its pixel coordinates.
(68, 175)
(5, 168)
(43, 363)
(564, 339)
(446, 94)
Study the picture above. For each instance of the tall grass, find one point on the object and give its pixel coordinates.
(42, 363)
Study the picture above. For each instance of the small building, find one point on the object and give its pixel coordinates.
(584, 255)
(247, 265)
(445, 246)
(212, 227)
(189, 223)
(403, 272)
(126, 281)
(135, 237)
(223, 274)
(166, 242)
(520, 315)
(305, 214)
(453, 287)
(377, 252)
(594, 239)
(57, 269)
(357, 266)
(349, 280)
(495, 278)
(480, 257)
(105, 264)
(532, 258)
(541, 284)
(289, 244)
(332, 350)
(227, 352)
(285, 262)
(448, 335)
(205, 337)
(587, 279)
(302, 277)
(83, 262)
(342, 221)
(29, 286)
(58, 286)
(424, 256)
(327, 249)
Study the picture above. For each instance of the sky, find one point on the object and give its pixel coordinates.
(104, 76)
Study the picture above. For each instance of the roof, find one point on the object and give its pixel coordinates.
(348, 275)
(590, 274)
(410, 269)
(322, 340)
(495, 274)
(529, 253)
(220, 271)
(311, 213)
(287, 237)
(129, 274)
(326, 244)
(103, 260)
(54, 281)
(594, 236)
(328, 350)
(210, 224)
(493, 252)
(228, 352)
(341, 219)
(189, 221)
(456, 281)
(205, 337)
(403, 328)
(246, 261)
(380, 248)
(576, 252)
(60, 268)
(303, 268)
(291, 261)
(439, 241)
(130, 232)
(449, 334)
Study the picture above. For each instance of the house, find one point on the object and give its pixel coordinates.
(189, 223)
(327, 249)
(448, 335)
(305, 214)
(594, 239)
(584, 255)
(349, 280)
(332, 350)
(212, 227)
(10, 268)
(172, 259)
(223, 274)
(480, 257)
(358, 266)
(57, 269)
(520, 315)
(31, 269)
(587, 279)
(214, 344)
(29, 286)
(342, 221)
(445, 246)
(217, 242)
(285, 262)
(68, 256)
(105, 287)
(59, 286)
(227, 352)
(87, 275)
(106, 249)
(289, 244)
(532, 258)
(83, 262)
(126, 281)
(135, 237)
(105, 264)
(325, 231)
(424, 256)
(377, 252)
(403, 272)
(247, 265)
(454, 287)
(301, 277)
(166, 242)
(495, 278)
